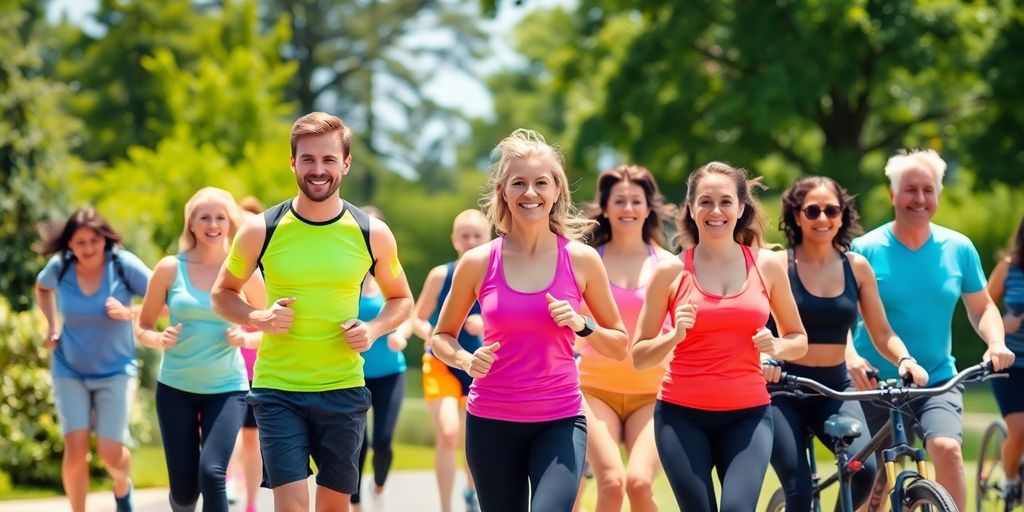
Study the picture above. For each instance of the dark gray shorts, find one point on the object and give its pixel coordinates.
(327, 426)
(937, 416)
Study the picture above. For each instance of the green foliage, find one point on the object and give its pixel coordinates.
(33, 445)
(34, 150)
(31, 451)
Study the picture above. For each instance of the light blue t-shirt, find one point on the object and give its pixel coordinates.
(93, 345)
(379, 360)
(1014, 300)
(919, 291)
(201, 361)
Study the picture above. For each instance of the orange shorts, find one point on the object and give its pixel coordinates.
(439, 381)
(624, 405)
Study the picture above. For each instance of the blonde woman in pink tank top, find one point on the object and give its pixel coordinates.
(525, 428)
(619, 399)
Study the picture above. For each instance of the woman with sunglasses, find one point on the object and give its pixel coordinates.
(819, 219)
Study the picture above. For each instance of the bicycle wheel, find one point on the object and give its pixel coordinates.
(988, 495)
(927, 496)
(777, 503)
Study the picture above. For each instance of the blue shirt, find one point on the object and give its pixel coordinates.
(201, 361)
(379, 360)
(919, 291)
(1014, 300)
(93, 345)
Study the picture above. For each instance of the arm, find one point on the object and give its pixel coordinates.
(997, 281)
(255, 293)
(390, 277)
(469, 273)
(882, 336)
(792, 342)
(984, 316)
(154, 303)
(609, 336)
(46, 299)
(652, 345)
(226, 295)
(427, 303)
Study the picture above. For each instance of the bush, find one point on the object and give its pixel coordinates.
(33, 445)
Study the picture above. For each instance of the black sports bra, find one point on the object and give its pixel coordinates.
(827, 319)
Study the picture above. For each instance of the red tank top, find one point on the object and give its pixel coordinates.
(717, 367)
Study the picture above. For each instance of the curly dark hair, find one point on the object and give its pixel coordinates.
(793, 200)
(750, 226)
(56, 239)
(653, 231)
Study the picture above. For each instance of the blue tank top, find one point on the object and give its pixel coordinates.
(467, 341)
(380, 360)
(1014, 300)
(202, 361)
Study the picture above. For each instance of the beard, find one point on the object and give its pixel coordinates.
(331, 189)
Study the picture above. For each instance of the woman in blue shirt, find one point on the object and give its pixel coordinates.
(91, 283)
(1006, 285)
(201, 386)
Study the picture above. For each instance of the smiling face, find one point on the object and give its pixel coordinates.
(916, 197)
(530, 192)
(88, 246)
(716, 207)
(822, 228)
(627, 208)
(319, 164)
(470, 232)
(210, 223)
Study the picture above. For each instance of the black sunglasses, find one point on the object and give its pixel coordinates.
(814, 211)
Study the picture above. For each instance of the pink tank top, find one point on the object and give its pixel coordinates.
(534, 377)
(607, 374)
(717, 367)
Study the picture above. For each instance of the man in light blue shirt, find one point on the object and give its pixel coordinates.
(922, 270)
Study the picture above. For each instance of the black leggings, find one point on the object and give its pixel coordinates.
(736, 443)
(793, 416)
(199, 433)
(386, 395)
(526, 466)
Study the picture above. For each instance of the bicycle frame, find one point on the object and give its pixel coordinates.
(894, 430)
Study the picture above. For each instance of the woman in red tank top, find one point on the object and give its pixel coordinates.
(712, 410)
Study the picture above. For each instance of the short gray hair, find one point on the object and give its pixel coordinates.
(903, 160)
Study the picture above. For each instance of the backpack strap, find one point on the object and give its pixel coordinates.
(119, 270)
(272, 216)
(363, 221)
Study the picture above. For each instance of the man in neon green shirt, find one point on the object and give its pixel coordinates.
(314, 251)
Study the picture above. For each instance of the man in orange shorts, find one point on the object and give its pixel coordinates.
(446, 388)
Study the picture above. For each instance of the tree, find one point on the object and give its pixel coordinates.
(35, 147)
(790, 87)
(369, 62)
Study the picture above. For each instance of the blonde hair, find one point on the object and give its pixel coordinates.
(187, 240)
(471, 215)
(320, 123)
(904, 160)
(564, 219)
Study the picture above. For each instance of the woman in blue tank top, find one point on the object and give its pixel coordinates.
(384, 372)
(1006, 285)
(201, 386)
(829, 283)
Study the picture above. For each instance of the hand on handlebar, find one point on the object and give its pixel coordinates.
(859, 369)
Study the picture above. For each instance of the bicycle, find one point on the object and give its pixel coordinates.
(990, 495)
(910, 489)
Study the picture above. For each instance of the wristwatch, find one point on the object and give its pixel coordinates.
(588, 327)
(905, 358)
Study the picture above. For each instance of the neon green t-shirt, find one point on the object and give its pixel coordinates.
(322, 265)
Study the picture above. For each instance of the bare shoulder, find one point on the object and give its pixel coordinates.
(667, 270)
(771, 261)
(166, 270)
(663, 254)
(380, 234)
(475, 259)
(582, 253)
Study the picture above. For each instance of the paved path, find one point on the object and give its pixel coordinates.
(405, 491)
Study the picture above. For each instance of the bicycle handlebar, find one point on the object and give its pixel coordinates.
(793, 385)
